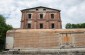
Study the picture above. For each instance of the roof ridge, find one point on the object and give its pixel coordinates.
(41, 7)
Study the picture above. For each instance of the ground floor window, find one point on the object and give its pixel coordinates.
(52, 25)
(41, 25)
(29, 26)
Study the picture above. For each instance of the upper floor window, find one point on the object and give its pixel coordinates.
(29, 16)
(52, 16)
(52, 25)
(41, 16)
(36, 9)
(29, 26)
(41, 25)
(44, 9)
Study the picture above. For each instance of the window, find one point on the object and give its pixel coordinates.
(41, 25)
(52, 25)
(36, 9)
(41, 16)
(29, 25)
(44, 9)
(29, 16)
(52, 16)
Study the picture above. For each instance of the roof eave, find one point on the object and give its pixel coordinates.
(40, 7)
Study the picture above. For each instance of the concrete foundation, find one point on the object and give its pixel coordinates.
(79, 51)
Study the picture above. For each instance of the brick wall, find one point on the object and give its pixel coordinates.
(47, 38)
(36, 39)
(35, 20)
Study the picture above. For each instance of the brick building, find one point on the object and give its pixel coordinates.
(41, 34)
(41, 18)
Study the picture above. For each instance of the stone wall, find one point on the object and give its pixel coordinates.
(45, 38)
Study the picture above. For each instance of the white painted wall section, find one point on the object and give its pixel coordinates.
(9, 42)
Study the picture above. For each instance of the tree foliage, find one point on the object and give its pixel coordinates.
(3, 29)
(71, 26)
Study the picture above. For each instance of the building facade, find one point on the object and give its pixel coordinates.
(41, 18)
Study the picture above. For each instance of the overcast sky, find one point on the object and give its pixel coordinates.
(72, 11)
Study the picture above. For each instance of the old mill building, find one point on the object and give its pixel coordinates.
(41, 18)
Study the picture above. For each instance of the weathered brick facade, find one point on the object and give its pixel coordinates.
(49, 16)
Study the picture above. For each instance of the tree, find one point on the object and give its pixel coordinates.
(68, 25)
(71, 26)
(74, 26)
(83, 25)
(3, 29)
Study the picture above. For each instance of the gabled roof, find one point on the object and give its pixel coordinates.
(40, 7)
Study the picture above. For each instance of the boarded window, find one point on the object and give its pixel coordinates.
(52, 16)
(29, 16)
(41, 16)
(29, 26)
(52, 25)
(41, 25)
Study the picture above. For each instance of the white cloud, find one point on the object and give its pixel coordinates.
(72, 11)
(15, 22)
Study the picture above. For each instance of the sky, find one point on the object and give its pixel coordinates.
(72, 11)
